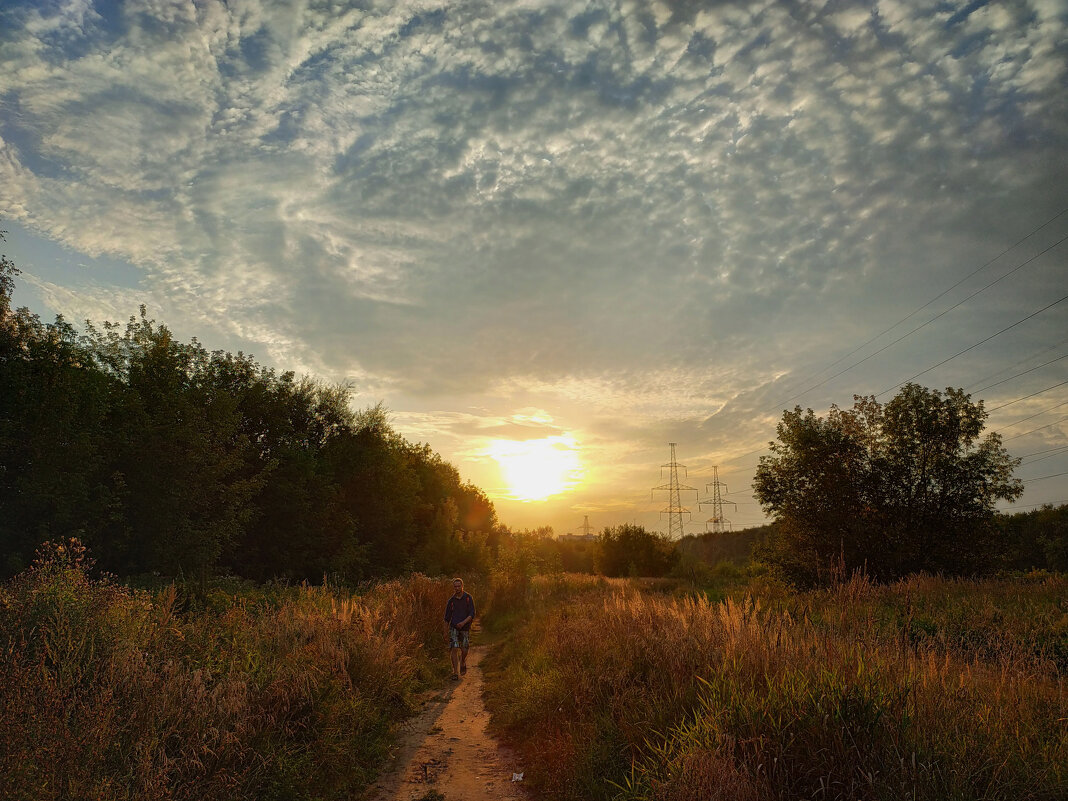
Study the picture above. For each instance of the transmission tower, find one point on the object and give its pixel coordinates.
(718, 522)
(675, 510)
(587, 529)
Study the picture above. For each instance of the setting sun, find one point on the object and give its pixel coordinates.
(537, 469)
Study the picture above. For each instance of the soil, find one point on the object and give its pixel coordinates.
(448, 749)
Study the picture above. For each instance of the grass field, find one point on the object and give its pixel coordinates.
(611, 688)
(924, 689)
(261, 693)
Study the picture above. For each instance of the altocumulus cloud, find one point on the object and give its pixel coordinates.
(576, 198)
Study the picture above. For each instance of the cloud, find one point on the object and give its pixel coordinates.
(587, 203)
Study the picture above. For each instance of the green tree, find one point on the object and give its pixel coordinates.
(888, 489)
(630, 550)
(1038, 538)
(165, 457)
(183, 469)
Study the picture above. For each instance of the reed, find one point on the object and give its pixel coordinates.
(627, 694)
(112, 693)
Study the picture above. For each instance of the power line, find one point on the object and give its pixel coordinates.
(1039, 478)
(921, 308)
(761, 450)
(1033, 416)
(1047, 450)
(945, 292)
(972, 347)
(1025, 397)
(1048, 456)
(1011, 366)
(1025, 372)
(1033, 430)
(924, 325)
(1034, 505)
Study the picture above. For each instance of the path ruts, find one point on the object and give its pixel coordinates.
(448, 749)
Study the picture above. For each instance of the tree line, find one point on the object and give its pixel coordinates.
(165, 457)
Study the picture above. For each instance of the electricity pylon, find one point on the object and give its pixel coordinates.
(587, 529)
(719, 523)
(675, 510)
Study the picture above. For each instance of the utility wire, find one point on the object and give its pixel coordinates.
(1039, 478)
(1011, 366)
(913, 313)
(1034, 505)
(924, 306)
(1047, 450)
(1043, 458)
(1025, 372)
(924, 325)
(1010, 425)
(972, 347)
(1032, 417)
(1033, 430)
(1025, 397)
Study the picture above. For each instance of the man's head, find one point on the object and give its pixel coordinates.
(458, 586)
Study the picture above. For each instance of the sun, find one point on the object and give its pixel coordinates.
(537, 469)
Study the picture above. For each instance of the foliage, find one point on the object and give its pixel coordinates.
(1037, 539)
(167, 458)
(891, 490)
(735, 547)
(922, 689)
(630, 550)
(279, 693)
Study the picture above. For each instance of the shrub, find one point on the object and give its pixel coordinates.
(628, 695)
(109, 692)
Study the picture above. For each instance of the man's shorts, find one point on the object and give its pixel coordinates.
(459, 639)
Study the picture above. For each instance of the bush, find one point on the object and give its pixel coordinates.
(623, 695)
(630, 550)
(112, 693)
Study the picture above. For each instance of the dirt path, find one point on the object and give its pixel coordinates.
(448, 749)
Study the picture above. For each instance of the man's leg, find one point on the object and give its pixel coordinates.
(463, 660)
(454, 652)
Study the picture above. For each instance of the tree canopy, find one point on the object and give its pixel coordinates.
(632, 550)
(888, 489)
(165, 457)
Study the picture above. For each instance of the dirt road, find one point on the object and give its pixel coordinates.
(448, 749)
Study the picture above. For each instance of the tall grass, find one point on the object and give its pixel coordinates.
(632, 695)
(112, 693)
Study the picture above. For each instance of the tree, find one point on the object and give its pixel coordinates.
(164, 457)
(888, 489)
(1038, 538)
(630, 550)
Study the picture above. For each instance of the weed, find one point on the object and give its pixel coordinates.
(924, 689)
(277, 693)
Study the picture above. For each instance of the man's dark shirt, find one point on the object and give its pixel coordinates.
(457, 609)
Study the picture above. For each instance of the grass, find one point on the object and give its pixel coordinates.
(286, 693)
(925, 689)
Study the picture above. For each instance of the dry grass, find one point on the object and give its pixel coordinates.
(617, 693)
(110, 693)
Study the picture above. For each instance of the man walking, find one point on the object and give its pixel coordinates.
(459, 612)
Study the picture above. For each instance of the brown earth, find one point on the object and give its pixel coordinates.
(448, 749)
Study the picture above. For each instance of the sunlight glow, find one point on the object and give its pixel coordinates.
(537, 469)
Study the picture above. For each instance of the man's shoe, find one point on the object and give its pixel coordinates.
(455, 677)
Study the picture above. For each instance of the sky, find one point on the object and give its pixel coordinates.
(554, 237)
